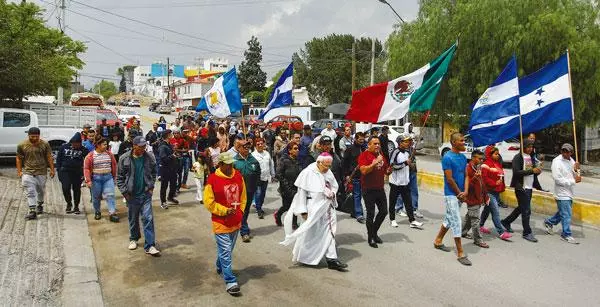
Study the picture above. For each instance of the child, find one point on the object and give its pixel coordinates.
(494, 183)
(200, 170)
(114, 146)
(476, 197)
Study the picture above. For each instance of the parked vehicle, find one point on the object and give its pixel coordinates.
(187, 110)
(153, 106)
(125, 115)
(86, 100)
(508, 148)
(319, 125)
(14, 124)
(164, 109)
(294, 122)
(134, 103)
(109, 115)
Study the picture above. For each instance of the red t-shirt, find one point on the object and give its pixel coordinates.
(180, 142)
(375, 179)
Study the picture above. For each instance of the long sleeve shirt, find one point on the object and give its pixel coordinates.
(564, 178)
(267, 166)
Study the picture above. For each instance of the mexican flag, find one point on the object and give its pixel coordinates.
(391, 100)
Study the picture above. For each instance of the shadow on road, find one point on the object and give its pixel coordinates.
(255, 272)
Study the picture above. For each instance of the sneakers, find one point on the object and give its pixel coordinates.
(164, 206)
(569, 239)
(132, 245)
(76, 210)
(69, 209)
(394, 223)
(173, 200)
(261, 214)
(505, 236)
(415, 224)
(530, 238)
(485, 230)
(40, 208)
(97, 215)
(152, 251)
(31, 215)
(114, 218)
(418, 214)
(360, 219)
(246, 238)
(234, 290)
(549, 229)
(506, 226)
(402, 213)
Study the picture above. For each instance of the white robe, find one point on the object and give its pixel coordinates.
(315, 236)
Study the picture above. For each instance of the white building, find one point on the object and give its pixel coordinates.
(141, 74)
(216, 64)
(190, 93)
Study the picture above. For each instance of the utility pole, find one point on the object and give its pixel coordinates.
(62, 25)
(372, 61)
(168, 83)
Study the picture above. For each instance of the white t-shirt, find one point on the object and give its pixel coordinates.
(114, 147)
(331, 133)
(527, 165)
(401, 176)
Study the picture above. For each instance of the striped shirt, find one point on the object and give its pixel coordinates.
(102, 163)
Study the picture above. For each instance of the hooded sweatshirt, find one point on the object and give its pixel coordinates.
(70, 159)
(490, 178)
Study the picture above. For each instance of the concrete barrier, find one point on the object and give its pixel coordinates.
(585, 211)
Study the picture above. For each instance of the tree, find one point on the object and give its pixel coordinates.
(105, 88)
(491, 31)
(34, 59)
(269, 90)
(122, 71)
(251, 77)
(324, 66)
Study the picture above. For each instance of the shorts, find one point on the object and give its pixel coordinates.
(452, 217)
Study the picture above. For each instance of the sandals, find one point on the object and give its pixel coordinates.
(442, 247)
(482, 244)
(464, 261)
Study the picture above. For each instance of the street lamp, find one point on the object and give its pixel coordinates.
(388, 4)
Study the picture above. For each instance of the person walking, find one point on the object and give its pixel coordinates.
(100, 172)
(373, 168)
(352, 172)
(476, 197)
(267, 173)
(454, 164)
(135, 180)
(493, 177)
(524, 166)
(225, 199)
(200, 172)
(69, 163)
(212, 154)
(565, 172)
(346, 141)
(329, 131)
(305, 142)
(168, 169)
(315, 203)
(286, 175)
(34, 157)
(399, 180)
(250, 170)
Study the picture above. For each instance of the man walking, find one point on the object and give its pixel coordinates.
(329, 131)
(69, 162)
(305, 142)
(565, 172)
(135, 179)
(352, 172)
(34, 157)
(168, 169)
(524, 166)
(250, 170)
(454, 164)
(267, 172)
(346, 141)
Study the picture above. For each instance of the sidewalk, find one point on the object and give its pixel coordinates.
(48, 261)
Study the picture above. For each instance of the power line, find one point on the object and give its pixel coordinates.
(188, 5)
(103, 46)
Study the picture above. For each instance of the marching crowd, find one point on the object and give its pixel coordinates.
(232, 166)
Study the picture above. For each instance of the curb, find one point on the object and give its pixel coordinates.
(585, 211)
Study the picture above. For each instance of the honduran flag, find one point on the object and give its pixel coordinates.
(415, 92)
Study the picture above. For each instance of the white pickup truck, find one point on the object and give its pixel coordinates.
(57, 124)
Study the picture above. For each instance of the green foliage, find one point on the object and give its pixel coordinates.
(105, 88)
(122, 72)
(250, 75)
(255, 96)
(122, 85)
(324, 67)
(269, 90)
(34, 59)
(491, 31)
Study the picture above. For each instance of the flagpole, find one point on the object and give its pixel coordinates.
(572, 107)
(243, 125)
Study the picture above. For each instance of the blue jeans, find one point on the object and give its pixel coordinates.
(493, 208)
(103, 185)
(563, 215)
(356, 192)
(413, 184)
(136, 205)
(186, 162)
(245, 228)
(225, 245)
(259, 196)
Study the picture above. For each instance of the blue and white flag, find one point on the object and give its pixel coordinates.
(494, 114)
(546, 96)
(224, 97)
(282, 93)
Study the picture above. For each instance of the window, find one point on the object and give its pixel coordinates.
(14, 119)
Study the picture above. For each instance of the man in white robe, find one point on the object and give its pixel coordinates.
(315, 203)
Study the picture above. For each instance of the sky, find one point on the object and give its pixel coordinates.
(184, 30)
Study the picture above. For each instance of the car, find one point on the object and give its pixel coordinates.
(153, 106)
(125, 115)
(508, 148)
(294, 122)
(187, 110)
(134, 103)
(163, 109)
(319, 125)
(110, 116)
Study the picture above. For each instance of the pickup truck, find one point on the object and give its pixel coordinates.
(57, 125)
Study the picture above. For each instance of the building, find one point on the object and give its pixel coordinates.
(216, 64)
(189, 93)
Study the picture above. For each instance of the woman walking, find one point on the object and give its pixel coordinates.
(100, 172)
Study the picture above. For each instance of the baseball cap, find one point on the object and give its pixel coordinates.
(403, 137)
(226, 158)
(87, 126)
(139, 141)
(567, 146)
(33, 131)
(325, 139)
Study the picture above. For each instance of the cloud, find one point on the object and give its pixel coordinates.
(274, 22)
